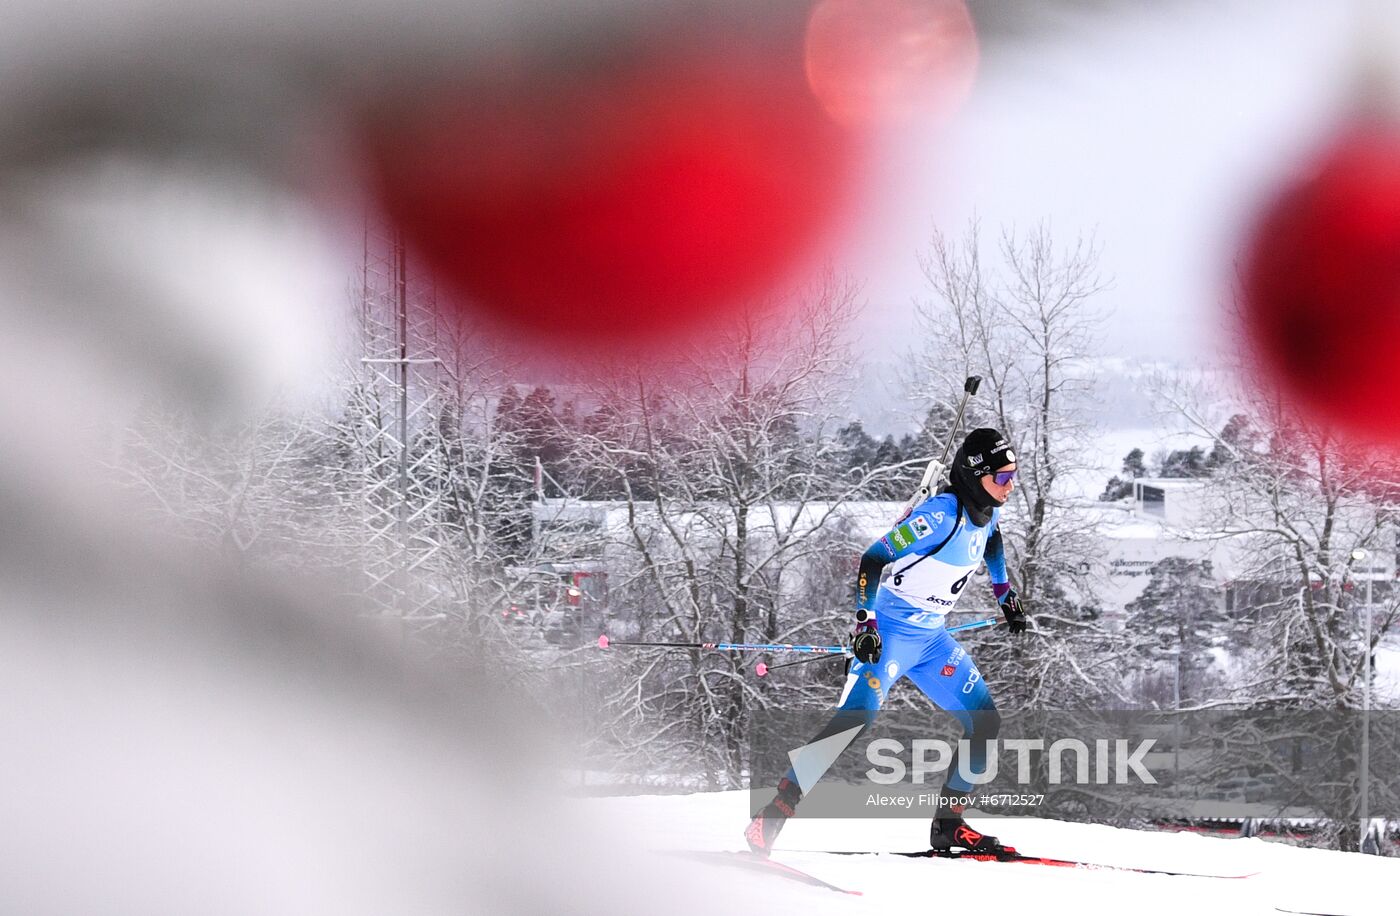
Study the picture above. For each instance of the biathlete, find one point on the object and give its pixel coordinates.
(899, 629)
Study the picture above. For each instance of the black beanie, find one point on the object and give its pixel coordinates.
(982, 452)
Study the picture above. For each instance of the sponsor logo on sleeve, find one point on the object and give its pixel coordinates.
(902, 536)
(922, 528)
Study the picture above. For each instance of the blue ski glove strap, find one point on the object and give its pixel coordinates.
(1011, 609)
(865, 642)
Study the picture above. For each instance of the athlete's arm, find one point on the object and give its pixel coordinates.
(995, 555)
(1011, 607)
(872, 563)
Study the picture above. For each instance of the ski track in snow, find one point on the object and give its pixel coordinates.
(1308, 880)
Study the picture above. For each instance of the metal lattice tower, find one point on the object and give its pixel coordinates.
(402, 493)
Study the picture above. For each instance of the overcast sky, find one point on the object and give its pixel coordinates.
(1156, 129)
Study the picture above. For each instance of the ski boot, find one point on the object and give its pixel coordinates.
(950, 831)
(764, 828)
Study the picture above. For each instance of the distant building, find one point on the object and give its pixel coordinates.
(1152, 524)
(1166, 517)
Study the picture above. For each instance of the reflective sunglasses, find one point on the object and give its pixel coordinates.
(1002, 478)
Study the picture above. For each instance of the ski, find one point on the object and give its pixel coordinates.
(752, 862)
(1011, 855)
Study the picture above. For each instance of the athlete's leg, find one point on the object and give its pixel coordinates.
(951, 679)
(867, 685)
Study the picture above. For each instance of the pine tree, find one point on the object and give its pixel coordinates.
(1178, 619)
(1119, 487)
(1185, 463)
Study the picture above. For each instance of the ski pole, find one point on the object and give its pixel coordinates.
(605, 643)
(975, 624)
(935, 469)
(762, 670)
(969, 389)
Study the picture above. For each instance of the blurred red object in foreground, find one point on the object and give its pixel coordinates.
(1321, 285)
(643, 183)
(884, 62)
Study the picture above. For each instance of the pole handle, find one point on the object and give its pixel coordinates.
(969, 389)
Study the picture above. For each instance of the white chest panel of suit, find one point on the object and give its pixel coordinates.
(932, 581)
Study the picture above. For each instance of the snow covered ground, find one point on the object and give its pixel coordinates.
(1282, 878)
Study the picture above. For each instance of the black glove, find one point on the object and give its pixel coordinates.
(1015, 614)
(865, 643)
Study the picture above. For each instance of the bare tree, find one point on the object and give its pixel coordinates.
(1297, 509)
(237, 486)
(1296, 504)
(479, 459)
(1024, 321)
(732, 511)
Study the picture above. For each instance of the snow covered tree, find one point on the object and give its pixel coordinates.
(1178, 619)
(239, 486)
(855, 448)
(1024, 320)
(732, 497)
(1119, 487)
(1296, 504)
(480, 447)
(1183, 462)
(1235, 436)
(857, 454)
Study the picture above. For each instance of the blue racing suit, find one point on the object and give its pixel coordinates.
(931, 554)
